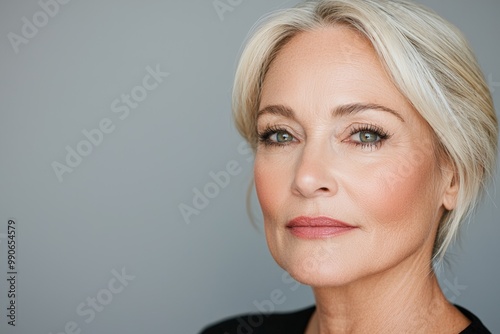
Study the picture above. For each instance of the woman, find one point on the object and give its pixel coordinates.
(374, 134)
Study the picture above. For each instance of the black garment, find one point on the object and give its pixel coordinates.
(296, 323)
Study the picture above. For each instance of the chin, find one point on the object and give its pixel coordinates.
(322, 278)
(345, 259)
(320, 263)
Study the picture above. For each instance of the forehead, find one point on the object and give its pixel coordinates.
(320, 48)
(339, 42)
(330, 65)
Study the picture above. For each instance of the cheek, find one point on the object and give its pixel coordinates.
(270, 184)
(401, 190)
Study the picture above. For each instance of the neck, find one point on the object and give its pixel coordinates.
(403, 299)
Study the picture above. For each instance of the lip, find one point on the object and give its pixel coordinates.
(317, 227)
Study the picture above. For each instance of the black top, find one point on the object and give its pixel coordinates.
(296, 323)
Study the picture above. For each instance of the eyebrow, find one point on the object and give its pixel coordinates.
(342, 110)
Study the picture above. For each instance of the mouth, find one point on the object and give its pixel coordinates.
(317, 227)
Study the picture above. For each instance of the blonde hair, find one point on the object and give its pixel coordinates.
(429, 61)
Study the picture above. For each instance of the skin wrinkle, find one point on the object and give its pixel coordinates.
(378, 277)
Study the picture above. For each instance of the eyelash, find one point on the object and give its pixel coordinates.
(265, 136)
(383, 135)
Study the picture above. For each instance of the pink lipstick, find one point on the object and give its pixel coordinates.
(317, 227)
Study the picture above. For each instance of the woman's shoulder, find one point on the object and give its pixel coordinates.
(263, 323)
(296, 323)
(476, 326)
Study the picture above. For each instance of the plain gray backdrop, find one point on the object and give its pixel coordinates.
(104, 248)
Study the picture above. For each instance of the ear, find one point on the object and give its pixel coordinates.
(451, 189)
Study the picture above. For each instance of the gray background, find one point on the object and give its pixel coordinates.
(119, 208)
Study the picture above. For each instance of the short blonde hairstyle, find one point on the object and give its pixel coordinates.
(429, 61)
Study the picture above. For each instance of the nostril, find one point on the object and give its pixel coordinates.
(323, 189)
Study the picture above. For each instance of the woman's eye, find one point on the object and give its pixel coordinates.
(366, 137)
(281, 137)
(276, 137)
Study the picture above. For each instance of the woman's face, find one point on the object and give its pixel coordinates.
(345, 169)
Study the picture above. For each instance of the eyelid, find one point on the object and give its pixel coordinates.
(368, 127)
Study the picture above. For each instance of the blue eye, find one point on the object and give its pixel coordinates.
(281, 137)
(276, 136)
(367, 137)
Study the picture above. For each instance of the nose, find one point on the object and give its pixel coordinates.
(315, 173)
